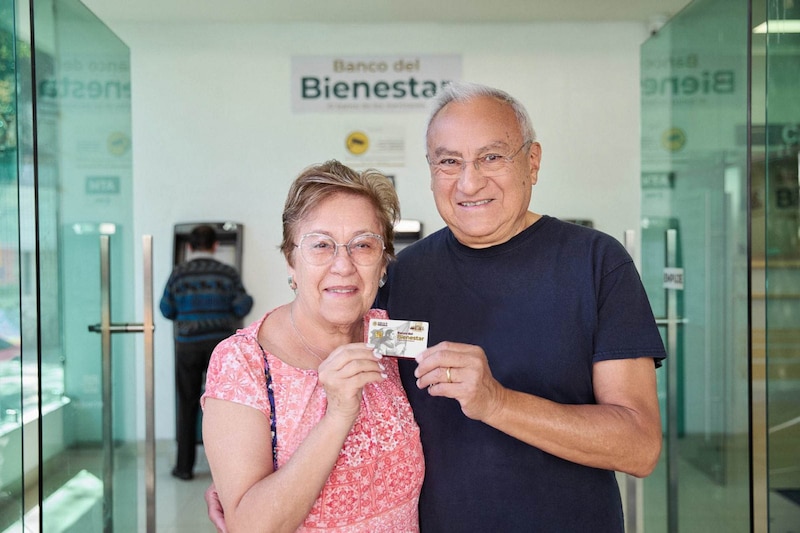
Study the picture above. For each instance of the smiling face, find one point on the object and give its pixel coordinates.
(482, 209)
(337, 295)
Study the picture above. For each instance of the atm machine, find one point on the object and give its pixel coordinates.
(406, 231)
(229, 251)
(230, 236)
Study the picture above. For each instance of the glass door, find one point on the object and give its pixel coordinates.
(776, 255)
(695, 264)
(11, 283)
(69, 165)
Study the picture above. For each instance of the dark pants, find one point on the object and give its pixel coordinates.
(191, 362)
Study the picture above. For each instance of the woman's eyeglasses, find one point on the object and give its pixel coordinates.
(319, 249)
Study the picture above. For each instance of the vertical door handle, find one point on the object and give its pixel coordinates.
(105, 342)
(149, 385)
(672, 386)
(106, 327)
(633, 485)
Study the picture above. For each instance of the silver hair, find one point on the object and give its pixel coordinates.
(462, 91)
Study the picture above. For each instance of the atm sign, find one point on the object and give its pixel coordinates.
(102, 185)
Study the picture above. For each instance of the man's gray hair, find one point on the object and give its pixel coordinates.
(462, 91)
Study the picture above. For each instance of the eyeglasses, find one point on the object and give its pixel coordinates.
(319, 249)
(488, 164)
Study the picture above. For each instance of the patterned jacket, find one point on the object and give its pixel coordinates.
(206, 299)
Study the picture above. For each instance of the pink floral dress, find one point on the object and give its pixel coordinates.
(375, 484)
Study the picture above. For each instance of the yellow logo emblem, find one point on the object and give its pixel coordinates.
(357, 143)
(673, 139)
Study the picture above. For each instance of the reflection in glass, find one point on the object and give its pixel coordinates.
(54, 203)
(694, 168)
(14, 56)
(776, 259)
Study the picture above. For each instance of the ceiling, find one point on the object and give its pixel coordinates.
(383, 11)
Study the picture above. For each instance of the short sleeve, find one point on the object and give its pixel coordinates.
(236, 374)
(626, 327)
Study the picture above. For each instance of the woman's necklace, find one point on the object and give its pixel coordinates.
(308, 347)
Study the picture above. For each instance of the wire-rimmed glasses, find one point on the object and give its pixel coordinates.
(319, 249)
(488, 164)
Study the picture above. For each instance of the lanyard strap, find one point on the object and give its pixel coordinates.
(271, 398)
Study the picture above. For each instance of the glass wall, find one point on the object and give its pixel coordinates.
(695, 264)
(776, 253)
(68, 436)
(13, 52)
(720, 143)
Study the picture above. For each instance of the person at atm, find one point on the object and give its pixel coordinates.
(206, 299)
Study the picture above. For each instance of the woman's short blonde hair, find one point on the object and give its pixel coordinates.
(318, 182)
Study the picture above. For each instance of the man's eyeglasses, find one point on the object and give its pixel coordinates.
(319, 249)
(488, 164)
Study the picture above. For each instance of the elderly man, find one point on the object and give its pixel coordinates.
(540, 379)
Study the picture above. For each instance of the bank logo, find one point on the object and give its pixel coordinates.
(673, 139)
(357, 143)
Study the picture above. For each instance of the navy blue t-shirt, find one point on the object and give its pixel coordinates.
(545, 306)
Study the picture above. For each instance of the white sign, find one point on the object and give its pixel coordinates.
(673, 278)
(371, 146)
(369, 83)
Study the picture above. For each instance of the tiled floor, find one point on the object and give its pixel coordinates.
(180, 505)
(704, 504)
(74, 503)
(707, 506)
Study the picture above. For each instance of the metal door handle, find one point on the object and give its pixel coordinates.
(664, 321)
(106, 328)
(149, 384)
(672, 321)
(633, 486)
(123, 327)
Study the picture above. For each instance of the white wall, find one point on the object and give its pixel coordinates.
(215, 139)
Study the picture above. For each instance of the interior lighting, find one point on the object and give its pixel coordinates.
(778, 26)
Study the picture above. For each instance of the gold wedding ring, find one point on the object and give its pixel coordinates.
(449, 378)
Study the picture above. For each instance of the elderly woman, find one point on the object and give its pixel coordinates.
(307, 427)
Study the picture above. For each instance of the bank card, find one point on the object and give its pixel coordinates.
(398, 338)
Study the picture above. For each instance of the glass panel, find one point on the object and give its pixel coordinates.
(11, 378)
(83, 82)
(75, 186)
(694, 168)
(776, 139)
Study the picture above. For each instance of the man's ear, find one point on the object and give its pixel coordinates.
(535, 158)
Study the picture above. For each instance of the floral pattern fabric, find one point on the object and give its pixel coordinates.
(375, 483)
